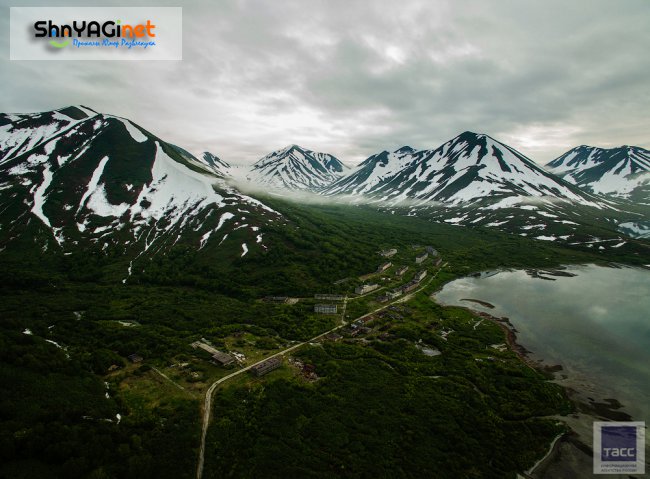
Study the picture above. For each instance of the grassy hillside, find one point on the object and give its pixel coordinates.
(54, 413)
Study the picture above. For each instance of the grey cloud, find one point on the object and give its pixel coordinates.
(354, 78)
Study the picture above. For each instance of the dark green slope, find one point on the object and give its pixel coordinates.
(188, 294)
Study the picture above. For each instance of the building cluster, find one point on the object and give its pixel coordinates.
(325, 308)
(410, 286)
(357, 330)
(432, 251)
(309, 372)
(267, 366)
(360, 326)
(394, 313)
(390, 295)
(434, 254)
(388, 253)
(406, 288)
(366, 288)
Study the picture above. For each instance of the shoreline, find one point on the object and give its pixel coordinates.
(587, 410)
(608, 408)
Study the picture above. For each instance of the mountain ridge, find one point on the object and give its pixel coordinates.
(465, 169)
(620, 172)
(83, 173)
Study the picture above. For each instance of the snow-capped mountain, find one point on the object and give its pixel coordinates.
(468, 169)
(74, 180)
(296, 168)
(220, 167)
(474, 180)
(622, 172)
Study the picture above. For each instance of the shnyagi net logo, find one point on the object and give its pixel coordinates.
(94, 34)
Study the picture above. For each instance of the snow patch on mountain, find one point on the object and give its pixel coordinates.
(636, 229)
(224, 217)
(98, 203)
(134, 131)
(173, 191)
(39, 197)
(94, 181)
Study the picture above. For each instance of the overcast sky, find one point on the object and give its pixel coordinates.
(353, 78)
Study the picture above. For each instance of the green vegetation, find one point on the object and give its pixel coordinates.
(55, 420)
(377, 409)
(382, 408)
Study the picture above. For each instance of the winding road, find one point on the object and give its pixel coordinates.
(207, 403)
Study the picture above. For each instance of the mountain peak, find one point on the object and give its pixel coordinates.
(290, 147)
(216, 164)
(296, 168)
(77, 112)
(621, 171)
(405, 149)
(472, 134)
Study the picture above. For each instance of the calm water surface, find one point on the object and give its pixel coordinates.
(595, 324)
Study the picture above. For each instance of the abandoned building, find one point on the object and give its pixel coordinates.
(366, 288)
(402, 270)
(388, 253)
(410, 286)
(394, 293)
(325, 308)
(384, 267)
(329, 297)
(276, 299)
(222, 358)
(432, 251)
(420, 275)
(419, 259)
(135, 358)
(267, 366)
